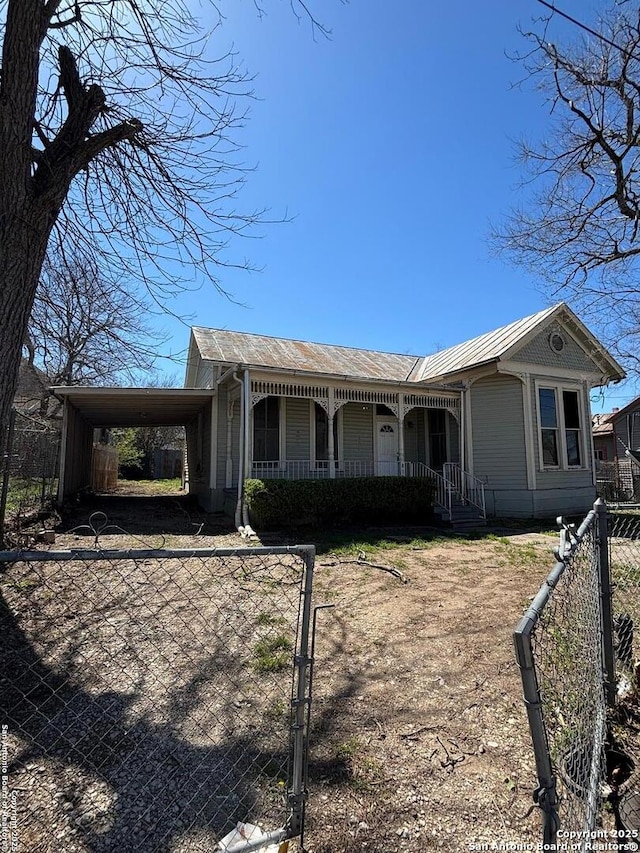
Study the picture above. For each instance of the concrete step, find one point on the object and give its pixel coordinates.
(467, 524)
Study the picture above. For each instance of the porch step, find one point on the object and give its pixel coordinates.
(464, 517)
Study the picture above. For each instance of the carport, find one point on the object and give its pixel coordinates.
(87, 409)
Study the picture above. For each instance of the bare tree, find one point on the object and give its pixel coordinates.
(117, 137)
(87, 329)
(580, 228)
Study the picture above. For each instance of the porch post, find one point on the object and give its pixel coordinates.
(330, 443)
(248, 418)
(401, 434)
(463, 437)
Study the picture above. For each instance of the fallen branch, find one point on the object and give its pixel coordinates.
(412, 735)
(362, 561)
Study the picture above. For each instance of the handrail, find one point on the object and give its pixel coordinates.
(443, 487)
(470, 488)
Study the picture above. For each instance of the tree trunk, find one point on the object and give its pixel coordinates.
(23, 244)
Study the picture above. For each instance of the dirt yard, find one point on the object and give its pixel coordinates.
(419, 738)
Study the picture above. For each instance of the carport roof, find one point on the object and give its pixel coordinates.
(108, 407)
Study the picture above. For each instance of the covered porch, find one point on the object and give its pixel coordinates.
(299, 432)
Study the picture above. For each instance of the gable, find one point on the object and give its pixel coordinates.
(539, 351)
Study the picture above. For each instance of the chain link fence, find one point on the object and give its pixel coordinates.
(624, 560)
(154, 700)
(559, 650)
(29, 475)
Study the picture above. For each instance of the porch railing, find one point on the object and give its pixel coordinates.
(443, 487)
(470, 488)
(304, 469)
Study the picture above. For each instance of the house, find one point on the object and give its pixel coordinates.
(502, 421)
(614, 434)
(604, 443)
(33, 396)
(617, 431)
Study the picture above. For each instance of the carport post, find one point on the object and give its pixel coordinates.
(63, 450)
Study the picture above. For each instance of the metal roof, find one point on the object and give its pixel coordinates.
(603, 424)
(107, 407)
(263, 351)
(481, 350)
(280, 353)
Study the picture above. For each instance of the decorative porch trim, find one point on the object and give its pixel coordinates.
(432, 401)
(257, 398)
(261, 388)
(264, 388)
(360, 395)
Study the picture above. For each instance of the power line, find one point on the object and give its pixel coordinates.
(584, 27)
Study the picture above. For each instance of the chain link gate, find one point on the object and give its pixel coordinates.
(150, 700)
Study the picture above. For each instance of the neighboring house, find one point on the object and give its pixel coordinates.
(618, 472)
(506, 413)
(616, 432)
(604, 441)
(33, 396)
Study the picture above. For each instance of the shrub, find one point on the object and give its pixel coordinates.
(363, 500)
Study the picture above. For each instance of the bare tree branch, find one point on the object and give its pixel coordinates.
(118, 132)
(88, 329)
(580, 225)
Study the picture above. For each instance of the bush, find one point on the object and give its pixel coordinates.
(365, 500)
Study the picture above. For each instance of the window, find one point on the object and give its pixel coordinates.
(560, 428)
(571, 408)
(266, 430)
(321, 446)
(549, 426)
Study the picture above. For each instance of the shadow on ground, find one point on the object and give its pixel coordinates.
(142, 515)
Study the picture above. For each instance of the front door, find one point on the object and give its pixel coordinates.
(387, 448)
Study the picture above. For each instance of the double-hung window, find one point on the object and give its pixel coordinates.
(266, 430)
(561, 442)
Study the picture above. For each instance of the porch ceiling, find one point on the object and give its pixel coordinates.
(108, 407)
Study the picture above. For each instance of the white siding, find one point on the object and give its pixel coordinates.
(499, 456)
(221, 451)
(298, 429)
(204, 375)
(357, 424)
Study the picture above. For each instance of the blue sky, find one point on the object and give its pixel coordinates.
(391, 149)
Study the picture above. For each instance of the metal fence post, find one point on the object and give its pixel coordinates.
(545, 795)
(604, 580)
(300, 701)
